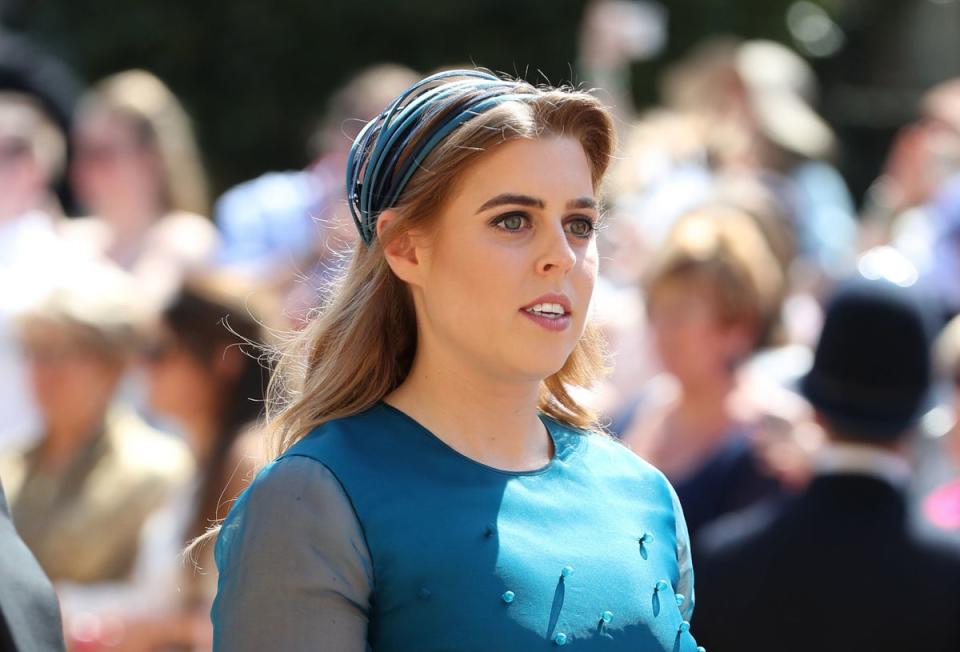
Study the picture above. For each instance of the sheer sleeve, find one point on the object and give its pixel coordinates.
(684, 559)
(295, 572)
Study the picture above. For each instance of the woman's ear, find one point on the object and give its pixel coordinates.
(401, 252)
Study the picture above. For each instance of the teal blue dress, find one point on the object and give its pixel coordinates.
(373, 534)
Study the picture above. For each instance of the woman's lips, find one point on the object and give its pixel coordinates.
(550, 323)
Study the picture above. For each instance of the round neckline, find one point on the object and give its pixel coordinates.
(547, 422)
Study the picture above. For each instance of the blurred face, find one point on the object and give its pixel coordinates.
(20, 175)
(70, 382)
(505, 282)
(692, 343)
(179, 385)
(112, 167)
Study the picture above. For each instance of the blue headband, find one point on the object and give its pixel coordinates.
(374, 180)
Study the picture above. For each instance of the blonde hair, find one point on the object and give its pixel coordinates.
(161, 121)
(724, 249)
(97, 305)
(362, 341)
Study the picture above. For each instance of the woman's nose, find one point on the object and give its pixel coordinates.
(558, 255)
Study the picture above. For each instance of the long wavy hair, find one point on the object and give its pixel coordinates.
(360, 343)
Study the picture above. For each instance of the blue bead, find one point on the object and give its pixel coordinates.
(663, 585)
(685, 626)
(560, 639)
(567, 571)
(606, 616)
(508, 596)
(680, 599)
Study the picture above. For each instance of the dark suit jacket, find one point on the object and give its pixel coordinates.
(834, 569)
(29, 613)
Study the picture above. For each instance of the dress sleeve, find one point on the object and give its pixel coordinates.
(295, 571)
(684, 560)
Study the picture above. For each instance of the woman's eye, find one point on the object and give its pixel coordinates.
(581, 227)
(512, 222)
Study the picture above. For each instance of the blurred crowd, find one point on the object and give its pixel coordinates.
(136, 316)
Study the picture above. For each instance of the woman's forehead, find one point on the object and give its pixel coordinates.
(549, 170)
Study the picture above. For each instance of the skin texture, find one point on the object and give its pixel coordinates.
(480, 359)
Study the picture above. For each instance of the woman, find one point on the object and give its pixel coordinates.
(711, 292)
(137, 170)
(200, 377)
(436, 485)
(79, 497)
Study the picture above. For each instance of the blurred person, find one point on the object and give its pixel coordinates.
(137, 170)
(292, 228)
(436, 485)
(80, 495)
(942, 506)
(915, 203)
(836, 567)
(30, 68)
(758, 99)
(613, 35)
(201, 376)
(33, 253)
(29, 613)
(711, 293)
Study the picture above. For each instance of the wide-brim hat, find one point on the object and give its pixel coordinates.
(781, 89)
(872, 368)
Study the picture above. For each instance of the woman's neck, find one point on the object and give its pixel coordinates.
(200, 430)
(490, 420)
(129, 226)
(703, 409)
(62, 441)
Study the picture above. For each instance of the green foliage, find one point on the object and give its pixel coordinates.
(255, 74)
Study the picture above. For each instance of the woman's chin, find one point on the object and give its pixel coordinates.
(540, 367)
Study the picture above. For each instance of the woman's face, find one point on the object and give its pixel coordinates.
(71, 382)
(690, 340)
(178, 385)
(113, 168)
(505, 281)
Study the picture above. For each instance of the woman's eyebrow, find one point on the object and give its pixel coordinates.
(534, 202)
(582, 202)
(511, 198)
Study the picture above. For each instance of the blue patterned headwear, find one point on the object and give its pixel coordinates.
(376, 175)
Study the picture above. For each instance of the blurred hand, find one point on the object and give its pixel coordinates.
(616, 32)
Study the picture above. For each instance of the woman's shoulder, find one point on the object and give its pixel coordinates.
(287, 491)
(366, 435)
(608, 454)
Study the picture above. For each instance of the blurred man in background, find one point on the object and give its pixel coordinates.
(836, 568)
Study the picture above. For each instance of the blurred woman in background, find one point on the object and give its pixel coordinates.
(137, 169)
(202, 376)
(80, 496)
(712, 293)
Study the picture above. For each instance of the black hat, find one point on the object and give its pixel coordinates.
(872, 370)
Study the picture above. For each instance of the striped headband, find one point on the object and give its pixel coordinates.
(376, 175)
